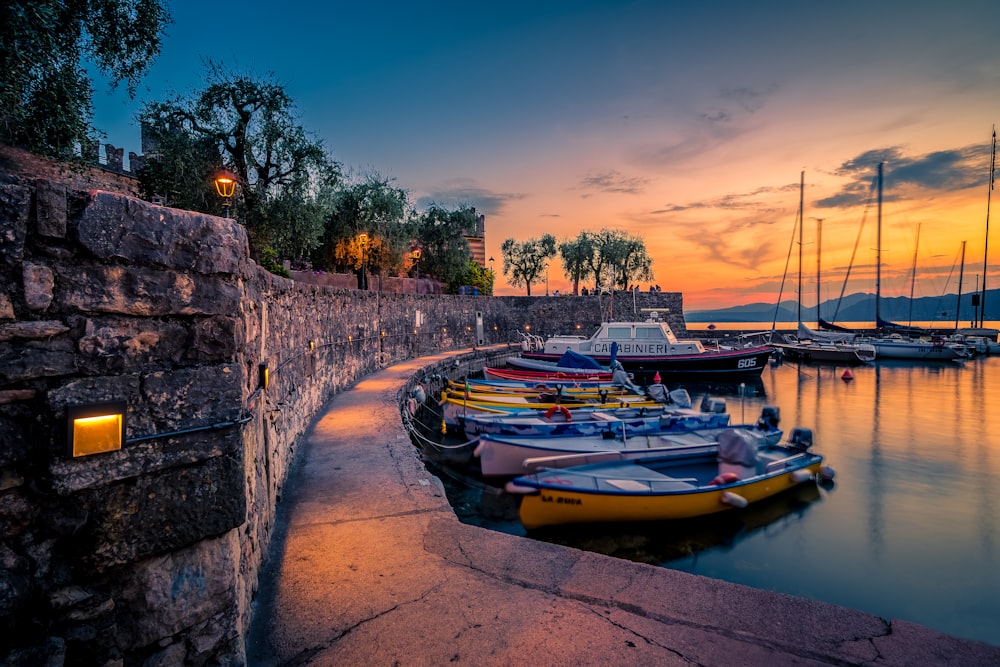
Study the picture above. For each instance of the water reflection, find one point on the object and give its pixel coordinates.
(910, 531)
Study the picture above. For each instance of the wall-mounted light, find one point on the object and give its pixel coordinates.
(312, 345)
(263, 375)
(95, 428)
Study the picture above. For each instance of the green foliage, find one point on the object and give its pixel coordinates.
(180, 171)
(269, 260)
(525, 263)
(371, 205)
(285, 177)
(577, 256)
(45, 94)
(440, 233)
(617, 259)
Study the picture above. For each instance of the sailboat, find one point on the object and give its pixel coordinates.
(891, 343)
(816, 346)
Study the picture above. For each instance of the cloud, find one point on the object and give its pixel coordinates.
(613, 181)
(937, 172)
(462, 192)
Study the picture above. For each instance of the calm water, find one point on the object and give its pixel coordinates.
(909, 530)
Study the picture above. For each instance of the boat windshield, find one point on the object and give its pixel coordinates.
(620, 333)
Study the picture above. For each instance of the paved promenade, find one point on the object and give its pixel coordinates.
(371, 567)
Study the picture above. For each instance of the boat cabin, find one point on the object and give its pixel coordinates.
(635, 339)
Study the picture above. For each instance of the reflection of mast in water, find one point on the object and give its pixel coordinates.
(877, 481)
(985, 511)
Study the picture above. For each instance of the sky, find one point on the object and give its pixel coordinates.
(689, 124)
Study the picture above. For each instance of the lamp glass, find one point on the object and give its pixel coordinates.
(96, 428)
(225, 184)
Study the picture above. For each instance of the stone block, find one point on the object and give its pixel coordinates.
(6, 307)
(15, 205)
(143, 292)
(128, 345)
(189, 397)
(172, 593)
(155, 514)
(36, 360)
(39, 281)
(50, 209)
(117, 227)
(216, 338)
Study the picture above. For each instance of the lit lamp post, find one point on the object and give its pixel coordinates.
(415, 254)
(363, 242)
(493, 275)
(225, 185)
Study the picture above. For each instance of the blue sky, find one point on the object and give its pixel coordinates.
(686, 123)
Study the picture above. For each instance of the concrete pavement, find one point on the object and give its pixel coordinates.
(370, 566)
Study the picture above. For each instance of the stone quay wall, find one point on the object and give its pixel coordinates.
(150, 554)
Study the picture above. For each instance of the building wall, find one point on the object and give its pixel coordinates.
(151, 553)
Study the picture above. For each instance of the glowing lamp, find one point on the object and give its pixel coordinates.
(95, 428)
(263, 375)
(416, 253)
(225, 185)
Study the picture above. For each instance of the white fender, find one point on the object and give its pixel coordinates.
(734, 499)
(802, 475)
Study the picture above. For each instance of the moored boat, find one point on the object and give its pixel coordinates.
(506, 456)
(650, 347)
(678, 484)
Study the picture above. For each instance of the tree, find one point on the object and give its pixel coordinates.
(252, 123)
(45, 93)
(440, 233)
(374, 206)
(619, 258)
(576, 257)
(525, 263)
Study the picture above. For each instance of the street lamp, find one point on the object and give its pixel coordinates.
(493, 275)
(415, 254)
(363, 242)
(225, 185)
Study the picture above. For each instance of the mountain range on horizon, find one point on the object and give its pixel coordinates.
(858, 307)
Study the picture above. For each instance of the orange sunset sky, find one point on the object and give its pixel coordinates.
(686, 123)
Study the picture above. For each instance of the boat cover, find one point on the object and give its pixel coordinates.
(736, 449)
(571, 359)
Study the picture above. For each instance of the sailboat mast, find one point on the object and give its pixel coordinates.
(913, 277)
(986, 241)
(819, 255)
(802, 187)
(878, 253)
(961, 273)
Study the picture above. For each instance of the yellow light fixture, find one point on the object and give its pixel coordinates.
(263, 375)
(225, 185)
(96, 427)
(362, 238)
(312, 345)
(416, 253)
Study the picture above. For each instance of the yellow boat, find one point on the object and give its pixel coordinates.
(675, 485)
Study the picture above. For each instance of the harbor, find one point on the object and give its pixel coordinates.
(446, 591)
(914, 451)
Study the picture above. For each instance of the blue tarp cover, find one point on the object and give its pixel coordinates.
(571, 359)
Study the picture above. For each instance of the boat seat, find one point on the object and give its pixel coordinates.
(603, 417)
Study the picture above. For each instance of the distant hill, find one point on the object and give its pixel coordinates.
(859, 307)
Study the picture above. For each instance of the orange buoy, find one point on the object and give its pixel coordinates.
(847, 376)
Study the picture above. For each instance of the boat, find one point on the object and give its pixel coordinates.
(527, 375)
(506, 456)
(679, 484)
(650, 347)
(677, 416)
(807, 345)
(457, 406)
(890, 341)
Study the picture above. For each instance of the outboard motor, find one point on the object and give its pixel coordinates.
(801, 438)
(657, 392)
(714, 405)
(770, 416)
(680, 397)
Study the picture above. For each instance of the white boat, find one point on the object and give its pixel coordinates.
(649, 348)
(505, 456)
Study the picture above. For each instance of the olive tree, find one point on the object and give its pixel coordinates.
(525, 263)
(45, 92)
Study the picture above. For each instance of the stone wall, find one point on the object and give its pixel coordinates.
(150, 554)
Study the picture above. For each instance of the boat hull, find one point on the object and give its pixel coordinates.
(555, 497)
(507, 456)
(746, 361)
(824, 354)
